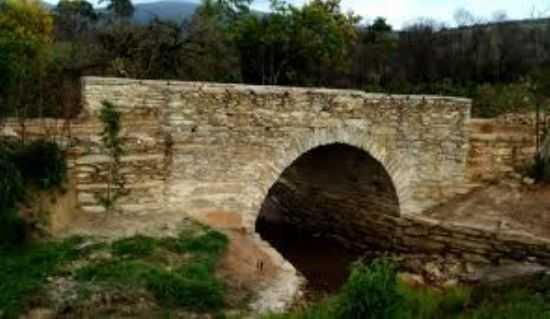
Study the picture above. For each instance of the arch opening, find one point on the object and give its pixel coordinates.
(326, 210)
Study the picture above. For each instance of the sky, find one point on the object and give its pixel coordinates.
(402, 12)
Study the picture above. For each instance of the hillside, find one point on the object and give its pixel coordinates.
(174, 10)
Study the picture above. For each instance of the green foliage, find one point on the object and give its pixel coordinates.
(25, 44)
(172, 288)
(120, 8)
(493, 100)
(41, 163)
(113, 145)
(370, 292)
(513, 304)
(24, 271)
(373, 292)
(190, 284)
(291, 44)
(11, 185)
(133, 247)
(430, 304)
(38, 164)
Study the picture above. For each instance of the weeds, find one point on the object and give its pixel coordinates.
(373, 292)
(24, 271)
(134, 247)
(191, 284)
(370, 292)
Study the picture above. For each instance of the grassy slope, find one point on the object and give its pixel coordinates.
(177, 272)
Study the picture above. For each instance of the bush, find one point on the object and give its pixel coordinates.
(11, 185)
(12, 228)
(41, 163)
(370, 292)
(492, 100)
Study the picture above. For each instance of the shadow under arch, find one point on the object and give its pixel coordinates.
(398, 165)
(325, 210)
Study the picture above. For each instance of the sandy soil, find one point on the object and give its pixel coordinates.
(508, 205)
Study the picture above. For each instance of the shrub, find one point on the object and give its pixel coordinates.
(492, 100)
(41, 163)
(12, 228)
(370, 292)
(11, 185)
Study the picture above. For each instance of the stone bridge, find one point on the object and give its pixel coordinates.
(198, 147)
(361, 166)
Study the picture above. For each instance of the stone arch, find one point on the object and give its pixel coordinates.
(398, 166)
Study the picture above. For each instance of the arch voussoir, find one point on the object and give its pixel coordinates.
(399, 169)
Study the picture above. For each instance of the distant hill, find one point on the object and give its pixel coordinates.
(173, 10)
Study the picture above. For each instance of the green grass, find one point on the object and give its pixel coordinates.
(138, 262)
(134, 247)
(24, 271)
(179, 272)
(514, 304)
(373, 292)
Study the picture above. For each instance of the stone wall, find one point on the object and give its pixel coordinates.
(500, 146)
(340, 192)
(197, 148)
(222, 147)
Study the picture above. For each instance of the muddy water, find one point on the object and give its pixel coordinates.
(324, 262)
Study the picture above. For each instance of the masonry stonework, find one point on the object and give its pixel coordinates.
(197, 148)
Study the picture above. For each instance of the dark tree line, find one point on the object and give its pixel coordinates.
(314, 45)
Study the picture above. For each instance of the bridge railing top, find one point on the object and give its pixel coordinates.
(264, 89)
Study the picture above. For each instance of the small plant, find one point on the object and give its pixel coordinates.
(370, 292)
(112, 143)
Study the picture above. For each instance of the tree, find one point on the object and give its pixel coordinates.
(73, 17)
(295, 45)
(120, 8)
(25, 46)
(380, 25)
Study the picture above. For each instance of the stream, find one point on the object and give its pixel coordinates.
(324, 262)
